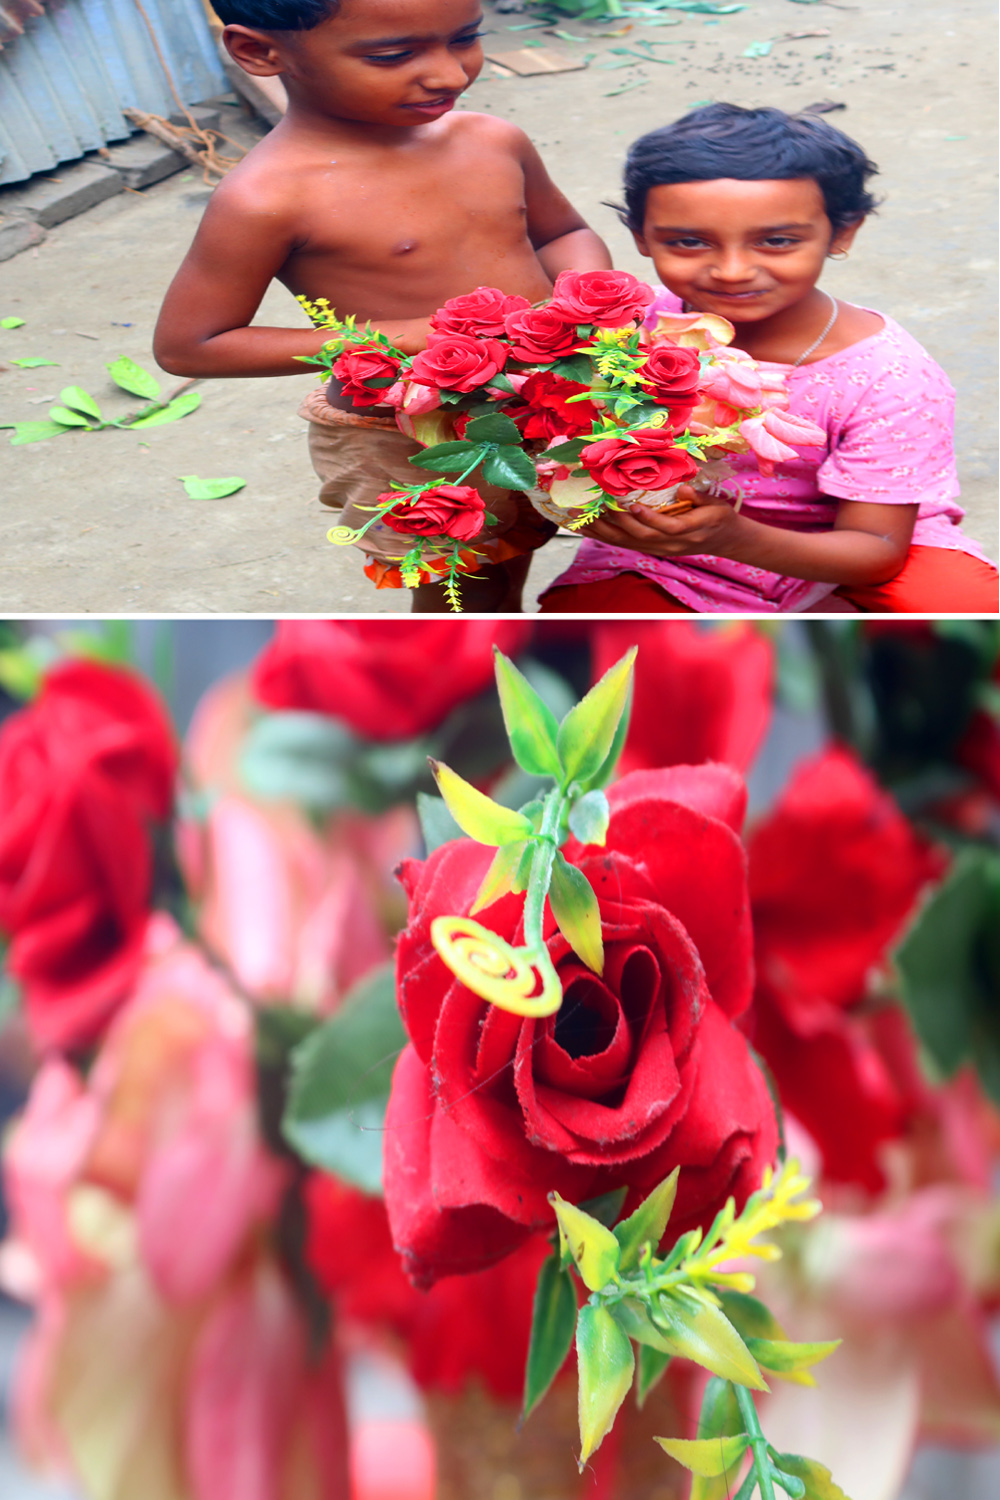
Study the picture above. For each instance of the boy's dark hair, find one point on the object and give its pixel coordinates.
(752, 145)
(274, 15)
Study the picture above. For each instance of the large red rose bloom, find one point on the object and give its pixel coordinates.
(387, 679)
(640, 1071)
(83, 771)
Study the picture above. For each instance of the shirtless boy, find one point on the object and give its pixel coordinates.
(373, 193)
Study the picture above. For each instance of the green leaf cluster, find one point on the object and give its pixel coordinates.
(492, 441)
(685, 1303)
(79, 409)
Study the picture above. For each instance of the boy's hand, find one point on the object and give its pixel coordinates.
(711, 527)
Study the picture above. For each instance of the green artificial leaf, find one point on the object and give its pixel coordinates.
(589, 818)
(476, 814)
(66, 418)
(502, 876)
(819, 1484)
(634, 1320)
(493, 429)
(699, 1331)
(606, 772)
(553, 1321)
(445, 458)
(133, 378)
(605, 1366)
(592, 1246)
(566, 453)
(341, 1076)
(180, 406)
(75, 397)
(510, 469)
(22, 670)
(648, 1224)
(944, 962)
(652, 1365)
(789, 1360)
(10, 997)
(748, 1315)
(719, 1417)
(707, 1456)
(578, 916)
(588, 730)
(35, 432)
(34, 362)
(606, 1207)
(575, 367)
(530, 723)
(11, 322)
(210, 489)
(436, 823)
(299, 756)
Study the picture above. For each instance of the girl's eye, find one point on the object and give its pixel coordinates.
(779, 241)
(469, 40)
(689, 242)
(388, 57)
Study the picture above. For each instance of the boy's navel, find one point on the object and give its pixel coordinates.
(404, 247)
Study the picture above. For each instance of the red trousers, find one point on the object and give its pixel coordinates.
(933, 581)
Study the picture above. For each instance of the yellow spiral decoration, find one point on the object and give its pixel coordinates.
(495, 971)
(341, 535)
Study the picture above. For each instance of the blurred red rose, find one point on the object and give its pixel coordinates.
(698, 694)
(547, 413)
(835, 872)
(651, 462)
(539, 335)
(387, 679)
(481, 313)
(454, 510)
(84, 769)
(640, 1071)
(459, 362)
(609, 299)
(466, 1326)
(356, 366)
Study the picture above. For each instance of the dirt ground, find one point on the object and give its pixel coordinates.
(100, 523)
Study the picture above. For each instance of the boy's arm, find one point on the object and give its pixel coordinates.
(203, 328)
(868, 543)
(562, 239)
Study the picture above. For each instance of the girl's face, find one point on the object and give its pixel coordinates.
(747, 250)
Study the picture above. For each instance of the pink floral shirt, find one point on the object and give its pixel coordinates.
(888, 411)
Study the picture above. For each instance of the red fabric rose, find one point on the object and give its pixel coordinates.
(651, 463)
(671, 374)
(639, 1071)
(459, 362)
(608, 299)
(697, 694)
(465, 1327)
(481, 313)
(83, 771)
(540, 335)
(355, 366)
(387, 679)
(454, 510)
(835, 872)
(546, 413)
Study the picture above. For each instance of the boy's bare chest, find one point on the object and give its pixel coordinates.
(409, 211)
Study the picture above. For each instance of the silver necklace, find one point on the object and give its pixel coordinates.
(816, 342)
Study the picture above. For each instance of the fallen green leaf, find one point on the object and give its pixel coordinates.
(33, 362)
(11, 322)
(34, 432)
(180, 406)
(210, 489)
(133, 378)
(77, 399)
(66, 418)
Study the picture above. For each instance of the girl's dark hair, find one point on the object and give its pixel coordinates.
(274, 15)
(753, 145)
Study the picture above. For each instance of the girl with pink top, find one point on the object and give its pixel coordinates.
(738, 209)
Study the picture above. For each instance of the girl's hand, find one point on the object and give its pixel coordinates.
(711, 527)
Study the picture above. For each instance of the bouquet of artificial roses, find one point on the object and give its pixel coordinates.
(594, 399)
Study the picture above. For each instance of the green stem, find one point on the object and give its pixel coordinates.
(541, 878)
(758, 1442)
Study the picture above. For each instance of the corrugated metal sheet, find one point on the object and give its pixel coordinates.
(64, 82)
